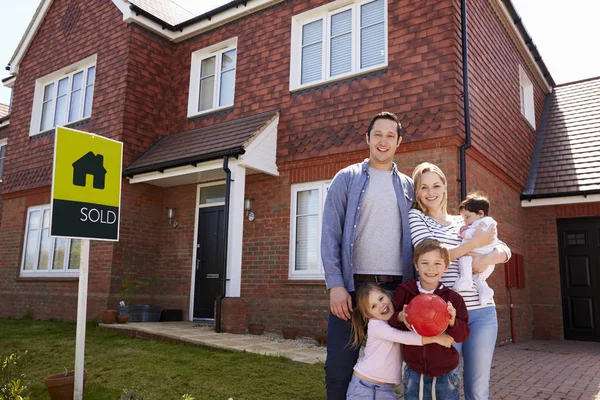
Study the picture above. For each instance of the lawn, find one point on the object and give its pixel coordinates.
(162, 370)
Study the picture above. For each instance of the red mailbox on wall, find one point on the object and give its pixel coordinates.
(514, 272)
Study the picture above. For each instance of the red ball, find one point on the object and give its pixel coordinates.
(428, 314)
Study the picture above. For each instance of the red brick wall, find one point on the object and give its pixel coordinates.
(499, 131)
(542, 247)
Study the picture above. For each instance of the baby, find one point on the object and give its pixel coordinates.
(474, 210)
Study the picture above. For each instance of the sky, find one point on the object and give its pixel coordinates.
(564, 33)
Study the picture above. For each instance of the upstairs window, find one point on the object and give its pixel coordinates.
(526, 90)
(308, 200)
(64, 97)
(338, 40)
(2, 156)
(212, 78)
(44, 255)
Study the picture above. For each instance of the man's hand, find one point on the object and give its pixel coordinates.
(340, 302)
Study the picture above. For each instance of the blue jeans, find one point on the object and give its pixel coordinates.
(478, 351)
(359, 389)
(341, 357)
(447, 386)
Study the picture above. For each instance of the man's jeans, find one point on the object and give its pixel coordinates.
(341, 357)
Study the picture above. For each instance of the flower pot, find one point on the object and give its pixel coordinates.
(289, 333)
(61, 386)
(121, 319)
(321, 338)
(256, 329)
(108, 316)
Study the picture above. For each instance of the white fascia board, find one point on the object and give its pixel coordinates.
(9, 82)
(558, 201)
(261, 151)
(28, 36)
(197, 28)
(4, 123)
(535, 65)
(177, 171)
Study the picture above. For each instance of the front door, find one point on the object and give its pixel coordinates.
(579, 250)
(209, 260)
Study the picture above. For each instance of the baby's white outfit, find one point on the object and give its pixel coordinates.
(467, 279)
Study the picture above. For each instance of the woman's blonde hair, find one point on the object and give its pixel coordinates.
(417, 177)
(360, 314)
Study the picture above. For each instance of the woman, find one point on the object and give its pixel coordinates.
(430, 219)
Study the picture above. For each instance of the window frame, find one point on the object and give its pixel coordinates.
(49, 273)
(81, 66)
(526, 97)
(3, 143)
(323, 187)
(197, 57)
(325, 13)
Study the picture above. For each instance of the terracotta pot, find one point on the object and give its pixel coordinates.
(321, 338)
(61, 386)
(108, 316)
(289, 333)
(121, 319)
(256, 329)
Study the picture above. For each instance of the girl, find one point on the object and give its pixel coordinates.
(379, 368)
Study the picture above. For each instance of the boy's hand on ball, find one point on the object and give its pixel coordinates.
(452, 312)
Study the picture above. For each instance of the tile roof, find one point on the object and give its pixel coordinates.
(165, 10)
(566, 159)
(3, 110)
(202, 144)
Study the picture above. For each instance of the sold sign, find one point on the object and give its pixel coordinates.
(86, 186)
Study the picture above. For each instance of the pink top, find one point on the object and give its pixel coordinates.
(382, 360)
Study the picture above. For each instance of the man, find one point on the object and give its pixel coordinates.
(365, 237)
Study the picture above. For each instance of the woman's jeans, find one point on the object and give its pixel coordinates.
(341, 357)
(417, 386)
(364, 390)
(478, 351)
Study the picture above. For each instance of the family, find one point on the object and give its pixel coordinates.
(373, 217)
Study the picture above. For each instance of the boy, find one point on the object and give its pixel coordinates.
(474, 210)
(431, 371)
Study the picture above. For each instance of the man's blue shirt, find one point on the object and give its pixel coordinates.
(340, 219)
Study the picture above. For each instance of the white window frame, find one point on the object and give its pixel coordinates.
(323, 187)
(66, 72)
(194, 90)
(526, 97)
(3, 143)
(65, 272)
(325, 13)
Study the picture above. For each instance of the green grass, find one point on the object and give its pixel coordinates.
(163, 370)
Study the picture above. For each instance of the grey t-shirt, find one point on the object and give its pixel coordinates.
(378, 240)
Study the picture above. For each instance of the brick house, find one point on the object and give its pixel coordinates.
(236, 120)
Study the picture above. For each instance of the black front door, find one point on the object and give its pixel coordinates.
(209, 260)
(579, 250)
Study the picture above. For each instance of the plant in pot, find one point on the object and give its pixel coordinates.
(61, 386)
(255, 326)
(130, 287)
(289, 332)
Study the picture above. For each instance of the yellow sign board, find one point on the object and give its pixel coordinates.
(86, 186)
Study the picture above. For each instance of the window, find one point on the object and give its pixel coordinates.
(527, 104)
(212, 78)
(337, 41)
(3, 143)
(307, 204)
(63, 97)
(44, 255)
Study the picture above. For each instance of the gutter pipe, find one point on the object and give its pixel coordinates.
(465, 70)
(219, 301)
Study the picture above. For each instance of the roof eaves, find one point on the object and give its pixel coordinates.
(139, 11)
(209, 14)
(539, 144)
(583, 193)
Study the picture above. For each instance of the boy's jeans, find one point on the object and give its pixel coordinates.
(447, 387)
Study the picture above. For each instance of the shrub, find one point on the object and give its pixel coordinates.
(13, 383)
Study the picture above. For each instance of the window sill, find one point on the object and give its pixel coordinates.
(47, 278)
(339, 79)
(212, 112)
(528, 124)
(305, 282)
(71, 125)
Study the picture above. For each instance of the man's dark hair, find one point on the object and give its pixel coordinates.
(475, 202)
(385, 115)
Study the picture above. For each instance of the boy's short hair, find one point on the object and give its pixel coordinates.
(429, 245)
(475, 202)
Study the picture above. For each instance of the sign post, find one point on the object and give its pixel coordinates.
(86, 200)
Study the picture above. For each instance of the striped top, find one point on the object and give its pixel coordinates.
(423, 226)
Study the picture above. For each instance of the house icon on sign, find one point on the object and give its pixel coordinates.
(89, 164)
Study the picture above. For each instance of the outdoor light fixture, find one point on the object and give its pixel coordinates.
(171, 216)
(247, 205)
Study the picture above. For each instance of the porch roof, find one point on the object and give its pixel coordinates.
(201, 145)
(566, 160)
